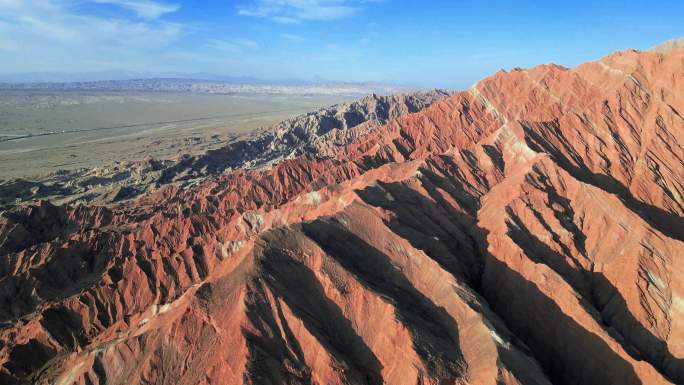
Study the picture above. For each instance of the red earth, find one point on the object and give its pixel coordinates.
(529, 230)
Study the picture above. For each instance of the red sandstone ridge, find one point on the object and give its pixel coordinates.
(528, 230)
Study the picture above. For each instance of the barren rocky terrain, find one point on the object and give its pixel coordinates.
(144, 157)
(528, 230)
(43, 132)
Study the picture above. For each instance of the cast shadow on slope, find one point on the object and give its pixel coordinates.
(66, 273)
(434, 333)
(568, 353)
(442, 233)
(422, 221)
(273, 358)
(523, 307)
(603, 301)
(423, 224)
(31, 226)
(294, 283)
(666, 222)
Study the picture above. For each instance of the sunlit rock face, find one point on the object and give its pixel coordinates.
(528, 230)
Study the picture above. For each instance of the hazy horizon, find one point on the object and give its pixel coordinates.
(450, 45)
(122, 75)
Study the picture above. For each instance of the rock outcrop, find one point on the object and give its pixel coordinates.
(669, 45)
(529, 230)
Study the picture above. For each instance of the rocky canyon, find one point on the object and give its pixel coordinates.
(527, 230)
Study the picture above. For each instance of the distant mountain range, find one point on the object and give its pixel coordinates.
(209, 86)
(199, 82)
(95, 76)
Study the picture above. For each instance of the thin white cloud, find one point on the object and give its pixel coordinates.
(293, 37)
(51, 35)
(333, 47)
(297, 11)
(278, 19)
(246, 43)
(234, 45)
(143, 8)
(63, 36)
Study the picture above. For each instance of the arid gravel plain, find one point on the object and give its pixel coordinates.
(42, 132)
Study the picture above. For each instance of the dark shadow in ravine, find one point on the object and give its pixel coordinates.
(603, 301)
(435, 228)
(562, 210)
(666, 222)
(434, 332)
(568, 353)
(269, 353)
(432, 223)
(25, 360)
(297, 285)
(455, 182)
(616, 313)
(539, 252)
(68, 271)
(65, 326)
(495, 155)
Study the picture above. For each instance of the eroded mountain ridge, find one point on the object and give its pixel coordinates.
(528, 230)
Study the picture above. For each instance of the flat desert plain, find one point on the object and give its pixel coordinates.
(43, 132)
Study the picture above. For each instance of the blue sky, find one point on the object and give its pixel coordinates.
(437, 43)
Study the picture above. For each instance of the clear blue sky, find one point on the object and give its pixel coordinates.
(427, 43)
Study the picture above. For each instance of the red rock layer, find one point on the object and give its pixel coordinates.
(526, 231)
